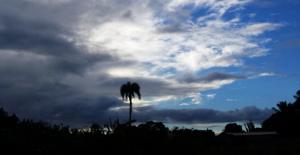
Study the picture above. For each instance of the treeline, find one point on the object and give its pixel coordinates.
(27, 136)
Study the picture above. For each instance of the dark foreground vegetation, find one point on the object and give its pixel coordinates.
(279, 135)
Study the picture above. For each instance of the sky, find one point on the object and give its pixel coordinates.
(197, 61)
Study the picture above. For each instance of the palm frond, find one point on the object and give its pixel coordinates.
(297, 96)
(284, 106)
(136, 89)
(124, 91)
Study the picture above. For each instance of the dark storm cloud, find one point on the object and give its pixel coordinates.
(35, 30)
(81, 112)
(196, 115)
(204, 115)
(39, 50)
(221, 76)
(215, 76)
(45, 37)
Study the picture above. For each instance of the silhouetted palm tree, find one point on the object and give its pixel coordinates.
(283, 106)
(297, 102)
(127, 92)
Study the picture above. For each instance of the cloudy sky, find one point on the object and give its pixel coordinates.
(195, 60)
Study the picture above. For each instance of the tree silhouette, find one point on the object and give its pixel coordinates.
(297, 100)
(127, 92)
(233, 128)
(286, 118)
(283, 106)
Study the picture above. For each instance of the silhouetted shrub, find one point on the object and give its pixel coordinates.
(96, 129)
(7, 121)
(233, 128)
(155, 129)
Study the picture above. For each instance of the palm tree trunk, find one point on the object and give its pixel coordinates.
(130, 110)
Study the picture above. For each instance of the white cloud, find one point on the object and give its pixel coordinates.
(210, 96)
(162, 42)
(259, 28)
(196, 98)
(263, 74)
(153, 100)
(266, 74)
(217, 6)
(184, 104)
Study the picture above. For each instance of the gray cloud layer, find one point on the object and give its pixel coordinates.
(37, 58)
(205, 115)
(215, 76)
(80, 114)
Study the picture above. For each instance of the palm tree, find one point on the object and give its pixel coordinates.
(127, 92)
(283, 107)
(297, 102)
